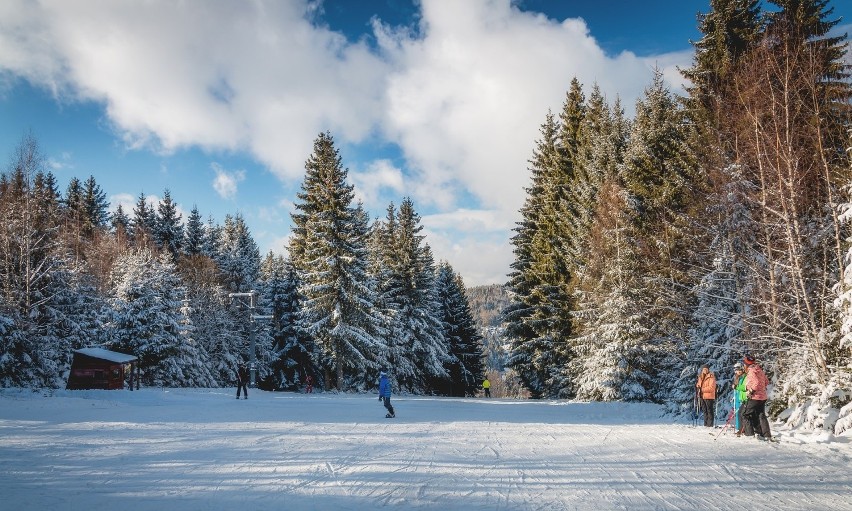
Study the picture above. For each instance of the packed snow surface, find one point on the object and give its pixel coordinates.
(200, 449)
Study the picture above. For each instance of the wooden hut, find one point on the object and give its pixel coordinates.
(97, 368)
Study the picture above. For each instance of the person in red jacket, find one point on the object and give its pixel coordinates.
(755, 408)
(706, 387)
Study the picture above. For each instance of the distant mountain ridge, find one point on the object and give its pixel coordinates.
(486, 304)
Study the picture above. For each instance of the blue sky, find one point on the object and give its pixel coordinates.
(219, 102)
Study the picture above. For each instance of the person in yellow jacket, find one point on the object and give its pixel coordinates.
(486, 386)
(706, 388)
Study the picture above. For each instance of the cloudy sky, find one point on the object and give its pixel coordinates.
(220, 101)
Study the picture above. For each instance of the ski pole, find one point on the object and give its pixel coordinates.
(715, 406)
(727, 423)
(697, 406)
(695, 409)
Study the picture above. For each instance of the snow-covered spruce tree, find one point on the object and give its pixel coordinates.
(12, 340)
(832, 408)
(238, 260)
(218, 330)
(73, 205)
(729, 30)
(603, 137)
(715, 337)
(528, 314)
(417, 348)
(74, 218)
(146, 320)
(663, 180)
(191, 364)
(599, 151)
(168, 230)
(380, 245)
(194, 239)
(329, 251)
(614, 361)
(279, 291)
(211, 239)
(143, 222)
(120, 223)
(39, 347)
(465, 368)
(237, 256)
(718, 328)
(78, 309)
(96, 207)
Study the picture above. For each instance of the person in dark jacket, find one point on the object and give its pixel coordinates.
(242, 380)
(385, 393)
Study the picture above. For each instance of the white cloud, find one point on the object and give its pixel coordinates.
(462, 97)
(379, 176)
(255, 76)
(467, 220)
(266, 214)
(286, 204)
(279, 245)
(125, 200)
(466, 99)
(65, 160)
(478, 259)
(225, 182)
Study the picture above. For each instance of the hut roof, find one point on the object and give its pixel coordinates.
(112, 356)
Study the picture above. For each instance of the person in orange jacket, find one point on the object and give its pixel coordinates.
(706, 387)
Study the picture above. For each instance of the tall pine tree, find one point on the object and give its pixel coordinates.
(329, 251)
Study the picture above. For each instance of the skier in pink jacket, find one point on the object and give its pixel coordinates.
(755, 408)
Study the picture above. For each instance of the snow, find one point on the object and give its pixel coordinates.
(102, 354)
(200, 449)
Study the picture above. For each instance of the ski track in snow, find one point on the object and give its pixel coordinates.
(199, 449)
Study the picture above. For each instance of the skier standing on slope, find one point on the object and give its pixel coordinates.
(740, 399)
(755, 409)
(385, 393)
(242, 380)
(706, 385)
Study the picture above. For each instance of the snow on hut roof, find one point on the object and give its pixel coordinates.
(112, 356)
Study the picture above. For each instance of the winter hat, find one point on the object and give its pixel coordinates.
(382, 373)
(738, 366)
(748, 359)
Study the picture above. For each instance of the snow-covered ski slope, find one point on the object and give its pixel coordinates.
(200, 449)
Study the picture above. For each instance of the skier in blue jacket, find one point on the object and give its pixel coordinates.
(385, 393)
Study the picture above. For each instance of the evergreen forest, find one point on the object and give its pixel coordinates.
(713, 223)
(189, 298)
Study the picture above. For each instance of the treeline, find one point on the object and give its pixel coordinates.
(354, 296)
(704, 228)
